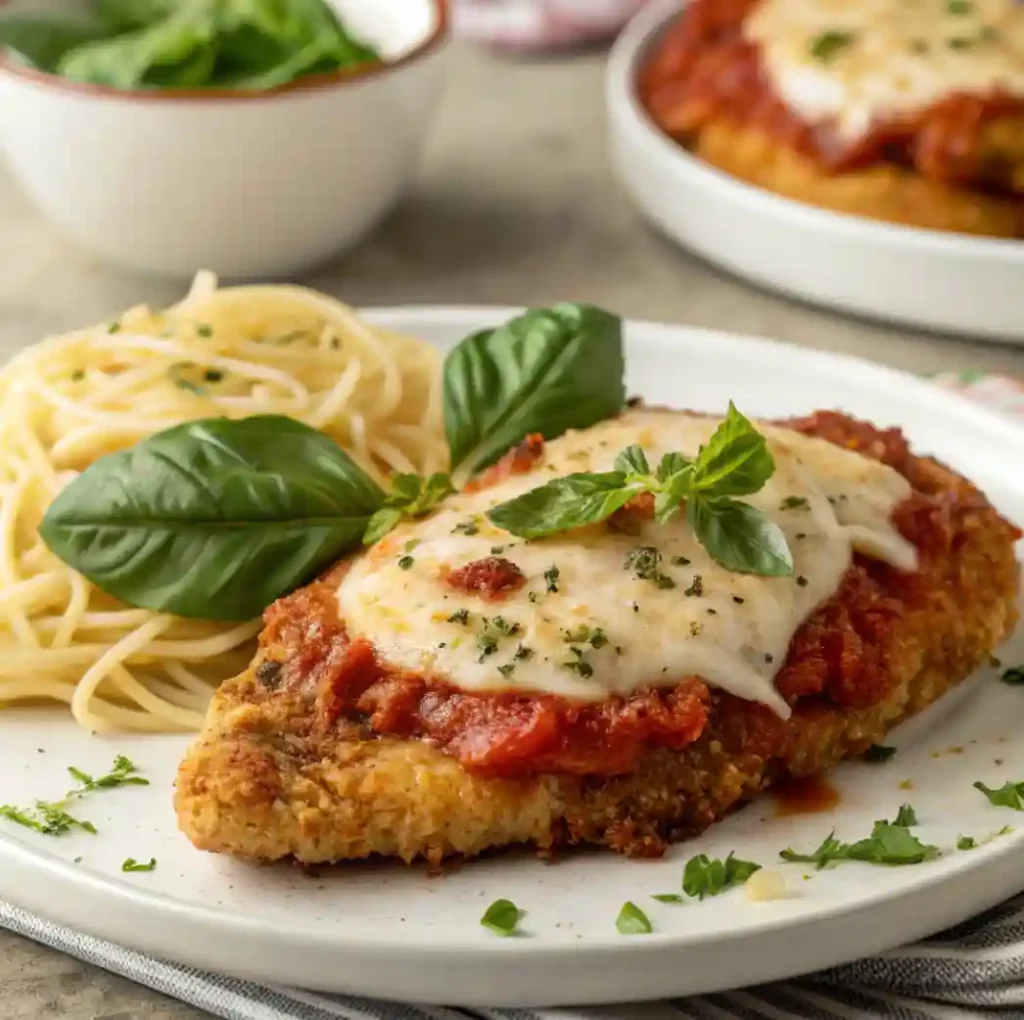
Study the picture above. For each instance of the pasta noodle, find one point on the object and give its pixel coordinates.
(229, 352)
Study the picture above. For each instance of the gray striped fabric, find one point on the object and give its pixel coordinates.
(973, 970)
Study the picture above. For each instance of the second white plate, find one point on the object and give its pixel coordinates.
(944, 282)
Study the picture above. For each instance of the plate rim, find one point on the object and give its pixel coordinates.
(34, 877)
(624, 104)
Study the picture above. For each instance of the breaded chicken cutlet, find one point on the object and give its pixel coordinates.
(539, 714)
(911, 113)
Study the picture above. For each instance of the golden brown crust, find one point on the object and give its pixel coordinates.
(261, 783)
(884, 192)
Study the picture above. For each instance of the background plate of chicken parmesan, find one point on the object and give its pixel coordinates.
(864, 157)
(917, 829)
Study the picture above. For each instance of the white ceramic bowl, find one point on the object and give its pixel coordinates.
(245, 184)
(944, 282)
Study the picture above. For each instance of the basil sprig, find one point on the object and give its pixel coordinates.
(216, 519)
(734, 462)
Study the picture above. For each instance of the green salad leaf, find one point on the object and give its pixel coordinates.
(152, 44)
(547, 371)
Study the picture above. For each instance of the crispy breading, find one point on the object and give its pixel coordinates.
(262, 782)
(883, 191)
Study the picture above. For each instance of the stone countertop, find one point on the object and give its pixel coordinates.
(515, 204)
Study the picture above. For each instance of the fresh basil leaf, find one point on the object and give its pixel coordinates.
(502, 917)
(735, 461)
(632, 920)
(1009, 795)
(562, 504)
(706, 876)
(669, 498)
(411, 496)
(632, 461)
(740, 537)
(43, 42)
(547, 371)
(672, 464)
(214, 518)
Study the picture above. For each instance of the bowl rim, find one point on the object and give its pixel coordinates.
(310, 83)
(622, 97)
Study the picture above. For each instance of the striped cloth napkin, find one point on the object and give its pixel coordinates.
(973, 970)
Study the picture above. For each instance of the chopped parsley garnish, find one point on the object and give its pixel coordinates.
(78, 375)
(966, 843)
(578, 664)
(680, 561)
(696, 629)
(551, 578)
(523, 653)
(632, 920)
(667, 897)
(644, 561)
(493, 631)
(459, 616)
(1009, 795)
(502, 917)
(1014, 676)
(960, 44)
(507, 669)
(889, 843)
(738, 600)
(466, 528)
(709, 876)
(406, 562)
(959, 6)
(696, 588)
(878, 753)
(205, 330)
(793, 503)
(497, 549)
(213, 375)
(585, 634)
(122, 773)
(46, 818)
(131, 864)
(114, 327)
(830, 44)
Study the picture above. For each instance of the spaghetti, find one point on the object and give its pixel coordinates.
(229, 352)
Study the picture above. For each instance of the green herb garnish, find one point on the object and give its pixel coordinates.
(709, 876)
(1014, 676)
(793, 503)
(405, 562)
(735, 462)
(878, 753)
(632, 920)
(966, 843)
(410, 496)
(1009, 795)
(644, 561)
(889, 843)
(830, 44)
(459, 616)
(551, 579)
(131, 864)
(122, 773)
(502, 917)
(959, 6)
(667, 897)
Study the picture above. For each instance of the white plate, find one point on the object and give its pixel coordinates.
(384, 930)
(945, 282)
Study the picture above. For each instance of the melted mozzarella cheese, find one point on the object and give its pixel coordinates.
(857, 62)
(733, 630)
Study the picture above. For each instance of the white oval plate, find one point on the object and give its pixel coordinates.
(946, 282)
(389, 931)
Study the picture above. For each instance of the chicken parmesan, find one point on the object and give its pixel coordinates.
(624, 677)
(909, 111)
